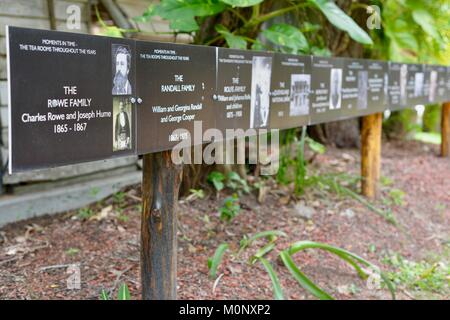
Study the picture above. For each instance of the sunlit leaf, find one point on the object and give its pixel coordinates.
(242, 3)
(302, 279)
(214, 262)
(181, 13)
(342, 21)
(277, 290)
(124, 293)
(287, 36)
(233, 41)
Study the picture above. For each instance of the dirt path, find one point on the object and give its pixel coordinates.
(33, 253)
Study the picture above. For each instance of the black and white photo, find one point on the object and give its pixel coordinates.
(121, 66)
(122, 128)
(403, 84)
(433, 86)
(335, 88)
(418, 84)
(299, 99)
(363, 77)
(260, 100)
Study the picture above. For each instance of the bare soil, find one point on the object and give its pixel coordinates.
(34, 254)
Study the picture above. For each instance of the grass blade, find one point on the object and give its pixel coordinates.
(262, 252)
(124, 293)
(302, 279)
(302, 245)
(277, 290)
(214, 262)
(104, 295)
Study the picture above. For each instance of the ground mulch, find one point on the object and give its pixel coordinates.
(34, 254)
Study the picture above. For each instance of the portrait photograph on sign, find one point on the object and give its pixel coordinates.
(121, 66)
(326, 88)
(260, 99)
(123, 124)
(335, 89)
(354, 88)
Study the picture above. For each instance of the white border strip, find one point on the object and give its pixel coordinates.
(8, 66)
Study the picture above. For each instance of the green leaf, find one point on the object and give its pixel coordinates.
(321, 52)
(124, 293)
(216, 178)
(403, 45)
(181, 13)
(214, 262)
(258, 46)
(426, 21)
(315, 146)
(148, 13)
(104, 295)
(287, 36)
(349, 257)
(342, 21)
(262, 252)
(233, 41)
(242, 3)
(302, 279)
(271, 235)
(277, 290)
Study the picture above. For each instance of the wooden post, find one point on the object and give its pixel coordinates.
(445, 130)
(160, 186)
(371, 154)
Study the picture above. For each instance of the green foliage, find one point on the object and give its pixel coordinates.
(242, 3)
(288, 38)
(182, 14)
(72, 251)
(286, 257)
(342, 21)
(119, 198)
(397, 196)
(230, 208)
(217, 180)
(214, 262)
(414, 31)
(197, 193)
(104, 295)
(232, 181)
(188, 15)
(236, 183)
(124, 293)
(277, 290)
(233, 41)
(419, 276)
(85, 213)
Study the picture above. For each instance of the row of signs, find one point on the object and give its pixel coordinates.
(76, 98)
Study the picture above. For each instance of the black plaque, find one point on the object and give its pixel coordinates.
(63, 107)
(291, 91)
(354, 88)
(431, 83)
(326, 102)
(415, 85)
(441, 94)
(378, 84)
(398, 78)
(242, 92)
(175, 89)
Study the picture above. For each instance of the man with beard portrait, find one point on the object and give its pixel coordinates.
(121, 84)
